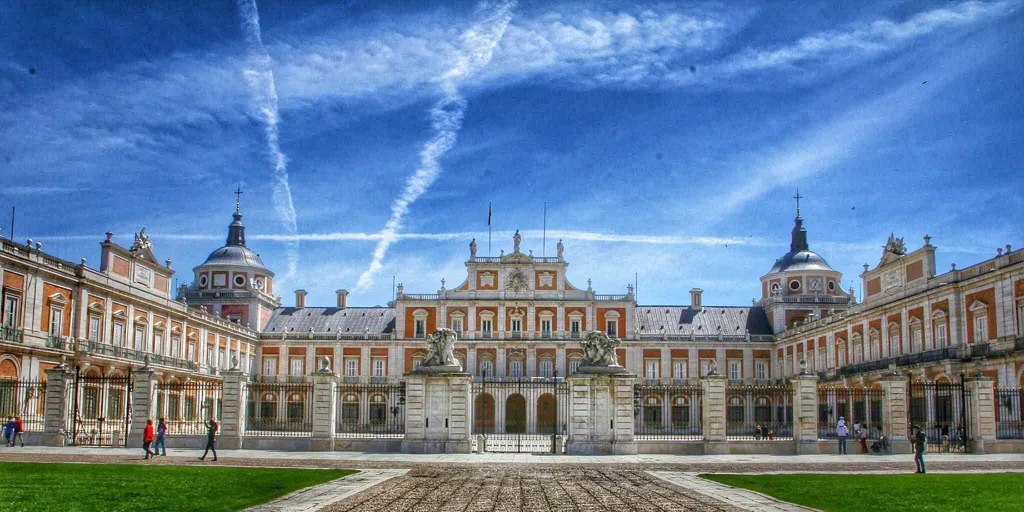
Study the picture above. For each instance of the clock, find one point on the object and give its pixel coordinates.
(814, 284)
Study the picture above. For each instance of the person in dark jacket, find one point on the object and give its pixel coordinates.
(147, 439)
(920, 444)
(211, 439)
(160, 446)
(9, 432)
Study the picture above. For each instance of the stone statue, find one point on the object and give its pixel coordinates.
(472, 249)
(516, 239)
(599, 354)
(141, 241)
(440, 356)
(895, 245)
(234, 362)
(325, 365)
(713, 367)
(560, 247)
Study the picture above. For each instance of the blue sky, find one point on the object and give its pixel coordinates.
(666, 138)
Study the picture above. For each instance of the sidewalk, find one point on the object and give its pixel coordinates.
(775, 462)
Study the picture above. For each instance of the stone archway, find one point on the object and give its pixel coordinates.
(483, 413)
(546, 405)
(515, 414)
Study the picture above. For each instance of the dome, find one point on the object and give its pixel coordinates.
(236, 256)
(800, 257)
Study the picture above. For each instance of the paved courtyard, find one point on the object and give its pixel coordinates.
(522, 482)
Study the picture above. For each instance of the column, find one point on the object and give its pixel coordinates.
(666, 373)
(470, 360)
(324, 413)
(233, 410)
(895, 406)
(143, 404)
(805, 413)
(559, 326)
(713, 422)
(748, 365)
(58, 399)
(499, 362)
(364, 363)
(981, 413)
(310, 363)
(531, 363)
(470, 328)
(560, 364)
(530, 327)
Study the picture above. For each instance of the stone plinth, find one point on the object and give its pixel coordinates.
(57, 401)
(805, 413)
(981, 413)
(895, 403)
(232, 419)
(324, 414)
(713, 420)
(601, 414)
(437, 413)
(143, 405)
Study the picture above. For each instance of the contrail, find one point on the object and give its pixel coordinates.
(260, 77)
(477, 48)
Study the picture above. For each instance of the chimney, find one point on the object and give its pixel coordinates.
(695, 303)
(342, 298)
(300, 298)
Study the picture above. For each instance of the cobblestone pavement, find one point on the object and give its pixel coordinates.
(528, 488)
(320, 496)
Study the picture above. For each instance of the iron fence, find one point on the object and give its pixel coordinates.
(668, 413)
(279, 409)
(941, 410)
(25, 400)
(860, 408)
(100, 413)
(1009, 421)
(759, 413)
(520, 414)
(187, 406)
(370, 410)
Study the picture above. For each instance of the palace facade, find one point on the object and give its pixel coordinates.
(517, 315)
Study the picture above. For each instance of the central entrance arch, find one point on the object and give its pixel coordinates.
(515, 414)
(546, 405)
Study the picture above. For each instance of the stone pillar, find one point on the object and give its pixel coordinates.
(895, 406)
(981, 413)
(601, 414)
(805, 413)
(324, 414)
(713, 423)
(59, 395)
(143, 404)
(232, 416)
(437, 413)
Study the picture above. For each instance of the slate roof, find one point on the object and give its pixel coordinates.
(236, 256)
(683, 320)
(345, 320)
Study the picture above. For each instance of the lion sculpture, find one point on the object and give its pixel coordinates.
(599, 350)
(440, 346)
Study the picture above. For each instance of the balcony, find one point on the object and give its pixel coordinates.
(378, 379)
(516, 335)
(55, 342)
(574, 335)
(545, 334)
(486, 335)
(350, 379)
(107, 350)
(12, 334)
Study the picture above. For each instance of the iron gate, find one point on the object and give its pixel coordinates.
(941, 410)
(520, 415)
(101, 410)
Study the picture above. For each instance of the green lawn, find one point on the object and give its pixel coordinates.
(905, 493)
(50, 487)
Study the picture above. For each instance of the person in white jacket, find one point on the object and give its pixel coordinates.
(841, 432)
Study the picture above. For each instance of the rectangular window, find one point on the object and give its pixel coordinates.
(175, 347)
(651, 368)
(457, 325)
(761, 370)
(94, 328)
(547, 368)
(378, 367)
(191, 351)
(118, 334)
(940, 335)
(158, 343)
(980, 329)
(545, 327)
(822, 358)
(223, 358)
(679, 369)
(574, 365)
(56, 321)
(485, 326)
(735, 372)
(351, 367)
(298, 367)
(487, 368)
(11, 311)
(270, 366)
(517, 325)
(515, 368)
(842, 357)
(209, 355)
(140, 338)
(421, 328)
(705, 367)
(611, 328)
(915, 340)
(574, 326)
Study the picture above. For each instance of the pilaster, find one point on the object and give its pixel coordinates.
(981, 413)
(601, 414)
(57, 400)
(895, 403)
(437, 414)
(232, 423)
(805, 413)
(143, 404)
(713, 422)
(324, 385)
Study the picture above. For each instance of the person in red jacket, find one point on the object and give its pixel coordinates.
(18, 429)
(147, 439)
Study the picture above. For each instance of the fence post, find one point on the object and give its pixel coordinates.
(143, 405)
(805, 413)
(713, 421)
(981, 409)
(232, 415)
(601, 420)
(324, 413)
(437, 413)
(895, 407)
(56, 405)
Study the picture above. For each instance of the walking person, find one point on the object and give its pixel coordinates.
(211, 439)
(920, 443)
(160, 446)
(841, 432)
(147, 439)
(9, 432)
(18, 429)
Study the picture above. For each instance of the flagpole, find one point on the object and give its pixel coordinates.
(488, 229)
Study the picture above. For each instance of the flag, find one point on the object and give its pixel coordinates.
(488, 214)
